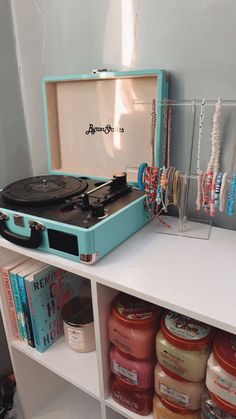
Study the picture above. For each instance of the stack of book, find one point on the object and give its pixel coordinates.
(35, 294)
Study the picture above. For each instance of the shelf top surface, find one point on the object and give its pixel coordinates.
(192, 276)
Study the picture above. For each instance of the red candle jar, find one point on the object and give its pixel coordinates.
(214, 407)
(137, 372)
(221, 370)
(129, 397)
(133, 325)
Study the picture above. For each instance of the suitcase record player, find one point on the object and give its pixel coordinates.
(96, 126)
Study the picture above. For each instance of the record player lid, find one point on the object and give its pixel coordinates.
(99, 124)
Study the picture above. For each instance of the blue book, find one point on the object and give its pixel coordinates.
(24, 300)
(48, 289)
(16, 295)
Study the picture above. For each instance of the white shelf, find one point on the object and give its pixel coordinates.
(194, 277)
(69, 404)
(79, 369)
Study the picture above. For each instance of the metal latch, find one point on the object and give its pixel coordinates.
(37, 225)
(3, 216)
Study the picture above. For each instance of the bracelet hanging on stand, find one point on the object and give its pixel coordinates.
(232, 192)
(199, 173)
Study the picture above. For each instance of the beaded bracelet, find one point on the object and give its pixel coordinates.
(164, 179)
(151, 174)
(141, 174)
(212, 195)
(169, 187)
(199, 191)
(176, 187)
(218, 188)
(223, 192)
(207, 190)
(231, 198)
(159, 197)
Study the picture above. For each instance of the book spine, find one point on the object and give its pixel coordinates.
(10, 304)
(33, 316)
(25, 310)
(18, 305)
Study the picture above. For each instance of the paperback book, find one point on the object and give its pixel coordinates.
(16, 294)
(5, 272)
(48, 289)
(25, 313)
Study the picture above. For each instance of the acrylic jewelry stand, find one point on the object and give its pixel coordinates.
(189, 147)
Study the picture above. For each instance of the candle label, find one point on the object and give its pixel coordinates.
(225, 388)
(127, 401)
(185, 327)
(119, 370)
(173, 394)
(75, 338)
(137, 310)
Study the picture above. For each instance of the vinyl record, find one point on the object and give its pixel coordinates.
(44, 190)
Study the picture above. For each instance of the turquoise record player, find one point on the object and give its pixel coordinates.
(97, 126)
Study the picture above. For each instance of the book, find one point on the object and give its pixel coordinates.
(5, 274)
(48, 290)
(16, 295)
(24, 300)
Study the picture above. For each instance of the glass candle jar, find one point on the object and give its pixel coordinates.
(166, 409)
(78, 324)
(129, 397)
(133, 325)
(221, 369)
(183, 346)
(181, 392)
(137, 372)
(213, 408)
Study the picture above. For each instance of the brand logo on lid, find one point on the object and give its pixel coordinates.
(107, 129)
(186, 327)
(138, 310)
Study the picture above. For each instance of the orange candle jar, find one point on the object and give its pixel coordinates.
(165, 409)
(133, 325)
(182, 392)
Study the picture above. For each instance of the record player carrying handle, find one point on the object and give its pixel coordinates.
(32, 242)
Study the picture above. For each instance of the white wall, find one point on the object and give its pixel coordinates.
(193, 39)
(14, 154)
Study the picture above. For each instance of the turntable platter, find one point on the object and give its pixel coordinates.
(43, 190)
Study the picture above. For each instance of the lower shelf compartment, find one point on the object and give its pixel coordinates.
(70, 403)
(45, 395)
(79, 369)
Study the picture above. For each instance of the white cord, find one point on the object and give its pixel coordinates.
(200, 132)
(44, 31)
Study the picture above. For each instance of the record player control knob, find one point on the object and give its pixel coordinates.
(119, 180)
(98, 210)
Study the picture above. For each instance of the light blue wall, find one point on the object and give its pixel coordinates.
(192, 39)
(14, 153)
